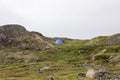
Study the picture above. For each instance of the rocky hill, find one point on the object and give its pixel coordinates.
(10, 35)
(15, 38)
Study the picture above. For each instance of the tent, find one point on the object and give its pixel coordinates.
(59, 41)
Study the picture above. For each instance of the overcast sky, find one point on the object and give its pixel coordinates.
(81, 19)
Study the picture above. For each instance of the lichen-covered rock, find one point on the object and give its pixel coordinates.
(113, 40)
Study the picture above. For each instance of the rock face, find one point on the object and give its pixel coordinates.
(113, 40)
(12, 30)
(7, 32)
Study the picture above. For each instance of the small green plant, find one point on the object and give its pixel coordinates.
(102, 57)
(115, 49)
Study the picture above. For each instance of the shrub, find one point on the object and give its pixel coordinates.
(102, 57)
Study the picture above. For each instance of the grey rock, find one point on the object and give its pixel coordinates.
(12, 30)
(113, 40)
(41, 70)
(8, 32)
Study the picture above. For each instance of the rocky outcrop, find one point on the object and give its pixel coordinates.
(12, 30)
(113, 40)
(8, 32)
(97, 41)
(17, 37)
(105, 40)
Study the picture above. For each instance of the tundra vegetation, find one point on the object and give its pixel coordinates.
(32, 56)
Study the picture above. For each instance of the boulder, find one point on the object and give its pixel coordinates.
(12, 30)
(8, 32)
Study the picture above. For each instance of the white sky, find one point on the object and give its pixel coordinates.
(81, 19)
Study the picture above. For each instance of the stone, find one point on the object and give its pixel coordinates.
(41, 70)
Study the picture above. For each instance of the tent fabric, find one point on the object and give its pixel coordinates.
(59, 41)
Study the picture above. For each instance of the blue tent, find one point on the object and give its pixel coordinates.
(59, 41)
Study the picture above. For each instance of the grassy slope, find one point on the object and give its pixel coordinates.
(65, 62)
